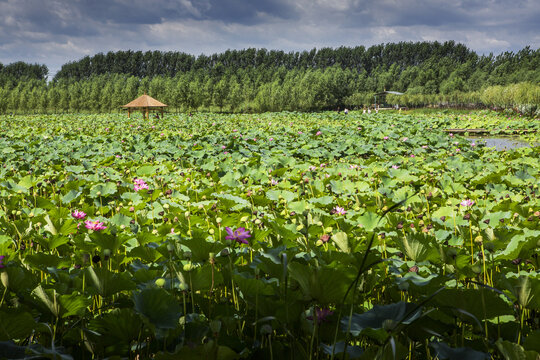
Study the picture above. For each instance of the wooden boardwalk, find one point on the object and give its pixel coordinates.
(489, 131)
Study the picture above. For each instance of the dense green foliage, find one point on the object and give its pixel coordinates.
(371, 237)
(251, 80)
(19, 72)
(156, 63)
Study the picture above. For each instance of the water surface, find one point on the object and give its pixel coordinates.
(500, 143)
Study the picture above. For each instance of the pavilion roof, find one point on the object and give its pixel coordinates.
(144, 101)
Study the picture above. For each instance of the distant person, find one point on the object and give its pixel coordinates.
(369, 110)
(346, 111)
(157, 116)
(363, 110)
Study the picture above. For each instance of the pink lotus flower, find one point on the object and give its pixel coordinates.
(395, 167)
(467, 203)
(139, 184)
(412, 155)
(78, 214)
(273, 182)
(405, 138)
(318, 133)
(321, 315)
(271, 139)
(239, 235)
(223, 147)
(473, 144)
(385, 138)
(94, 225)
(424, 146)
(339, 210)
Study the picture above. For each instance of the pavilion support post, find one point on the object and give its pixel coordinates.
(147, 115)
(129, 113)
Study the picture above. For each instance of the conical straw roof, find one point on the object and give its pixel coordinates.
(144, 101)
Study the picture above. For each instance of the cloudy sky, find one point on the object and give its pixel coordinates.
(53, 32)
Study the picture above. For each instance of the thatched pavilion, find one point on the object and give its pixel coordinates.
(144, 103)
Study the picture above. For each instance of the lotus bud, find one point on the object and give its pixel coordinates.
(188, 267)
(328, 229)
(389, 324)
(257, 221)
(165, 206)
(183, 286)
(160, 282)
(218, 220)
(5, 279)
(215, 326)
(211, 231)
(478, 239)
(186, 214)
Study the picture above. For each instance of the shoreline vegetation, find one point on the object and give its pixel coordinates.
(430, 74)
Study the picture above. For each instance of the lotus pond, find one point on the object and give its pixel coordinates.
(272, 236)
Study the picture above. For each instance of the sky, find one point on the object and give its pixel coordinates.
(54, 32)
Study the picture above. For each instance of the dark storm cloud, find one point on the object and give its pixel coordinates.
(249, 12)
(56, 31)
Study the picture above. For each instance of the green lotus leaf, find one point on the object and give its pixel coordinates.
(443, 351)
(513, 351)
(158, 306)
(16, 324)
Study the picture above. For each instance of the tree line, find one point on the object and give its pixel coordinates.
(429, 73)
